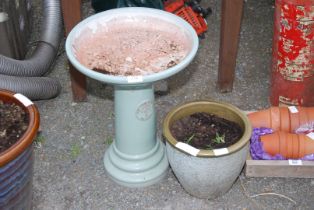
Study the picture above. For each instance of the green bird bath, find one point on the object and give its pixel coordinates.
(137, 157)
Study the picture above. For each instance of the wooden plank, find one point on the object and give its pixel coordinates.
(278, 168)
(78, 84)
(71, 11)
(72, 15)
(231, 12)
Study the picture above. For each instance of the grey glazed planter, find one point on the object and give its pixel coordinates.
(207, 173)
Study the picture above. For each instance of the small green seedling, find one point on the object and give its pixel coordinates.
(109, 140)
(219, 139)
(209, 147)
(111, 115)
(190, 139)
(75, 151)
(39, 140)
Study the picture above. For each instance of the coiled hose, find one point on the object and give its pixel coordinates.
(25, 76)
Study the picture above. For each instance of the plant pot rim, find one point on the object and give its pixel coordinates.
(243, 141)
(27, 138)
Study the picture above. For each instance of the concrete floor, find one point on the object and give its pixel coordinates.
(69, 171)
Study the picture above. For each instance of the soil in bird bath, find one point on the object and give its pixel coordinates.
(136, 46)
(13, 124)
(206, 131)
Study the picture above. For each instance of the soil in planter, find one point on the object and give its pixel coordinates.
(13, 124)
(206, 131)
(132, 46)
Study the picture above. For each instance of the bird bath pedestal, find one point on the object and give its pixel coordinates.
(136, 158)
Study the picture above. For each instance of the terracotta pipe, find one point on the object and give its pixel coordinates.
(288, 145)
(281, 118)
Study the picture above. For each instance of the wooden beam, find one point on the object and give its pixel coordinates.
(72, 15)
(71, 11)
(278, 168)
(231, 12)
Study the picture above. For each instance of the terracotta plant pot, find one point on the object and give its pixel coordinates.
(280, 118)
(16, 163)
(290, 146)
(216, 170)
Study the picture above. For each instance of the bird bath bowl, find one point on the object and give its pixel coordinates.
(136, 158)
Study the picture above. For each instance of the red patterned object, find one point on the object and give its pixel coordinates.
(181, 9)
(292, 80)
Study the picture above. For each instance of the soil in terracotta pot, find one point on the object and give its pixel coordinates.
(13, 124)
(206, 131)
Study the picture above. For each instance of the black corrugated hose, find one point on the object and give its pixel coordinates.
(26, 76)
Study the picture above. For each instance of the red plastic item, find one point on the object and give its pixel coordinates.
(292, 80)
(179, 8)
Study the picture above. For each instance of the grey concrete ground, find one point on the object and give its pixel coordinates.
(69, 172)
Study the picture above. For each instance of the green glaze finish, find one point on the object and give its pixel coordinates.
(221, 109)
(136, 158)
(136, 170)
(99, 18)
(135, 119)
